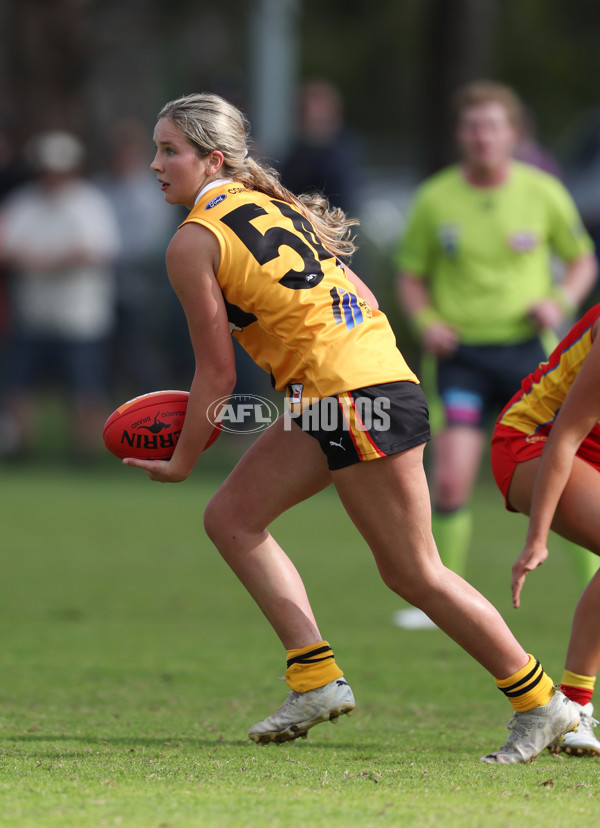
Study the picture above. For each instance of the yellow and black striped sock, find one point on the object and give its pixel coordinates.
(529, 687)
(311, 667)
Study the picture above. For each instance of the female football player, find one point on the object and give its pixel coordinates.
(546, 458)
(254, 259)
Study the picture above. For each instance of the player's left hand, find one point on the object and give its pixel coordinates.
(161, 471)
(532, 556)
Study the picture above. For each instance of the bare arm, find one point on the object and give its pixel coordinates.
(578, 415)
(437, 336)
(192, 262)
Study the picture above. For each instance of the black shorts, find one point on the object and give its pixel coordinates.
(367, 423)
(477, 381)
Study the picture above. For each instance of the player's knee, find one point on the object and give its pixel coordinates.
(225, 521)
(413, 586)
(216, 519)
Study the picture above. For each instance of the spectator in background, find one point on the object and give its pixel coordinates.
(145, 224)
(476, 283)
(325, 155)
(59, 239)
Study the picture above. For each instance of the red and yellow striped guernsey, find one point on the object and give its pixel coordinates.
(535, 407)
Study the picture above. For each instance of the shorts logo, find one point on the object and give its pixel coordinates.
(217, 200)
(535, 438)
(294, 393)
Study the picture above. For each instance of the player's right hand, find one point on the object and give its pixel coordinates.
(161, 471)
(532, 556)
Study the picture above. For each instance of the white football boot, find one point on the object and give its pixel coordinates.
(533, 730)
(582, 742)
(301, 711)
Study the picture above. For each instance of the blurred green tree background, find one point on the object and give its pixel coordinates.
(81, 63)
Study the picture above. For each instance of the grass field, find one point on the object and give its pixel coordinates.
(132, 664)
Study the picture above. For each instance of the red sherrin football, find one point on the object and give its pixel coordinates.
(149, 426)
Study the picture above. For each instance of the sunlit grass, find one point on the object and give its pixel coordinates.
(133, 663)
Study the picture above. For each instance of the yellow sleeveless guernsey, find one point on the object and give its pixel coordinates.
(289, 302)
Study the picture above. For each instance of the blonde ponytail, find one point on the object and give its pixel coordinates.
(331, 224)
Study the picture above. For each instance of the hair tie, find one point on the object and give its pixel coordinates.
(246, 153)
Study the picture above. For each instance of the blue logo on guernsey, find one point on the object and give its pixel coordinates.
(346, 308)
(217, 200)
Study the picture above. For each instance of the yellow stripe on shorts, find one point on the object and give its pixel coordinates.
(363, 442)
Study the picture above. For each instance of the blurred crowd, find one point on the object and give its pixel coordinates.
(82, 289)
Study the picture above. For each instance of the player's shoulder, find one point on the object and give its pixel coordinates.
(189, 237)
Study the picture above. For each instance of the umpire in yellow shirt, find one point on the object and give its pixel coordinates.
(475, 279)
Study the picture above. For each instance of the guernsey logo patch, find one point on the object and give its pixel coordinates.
(217, 200)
